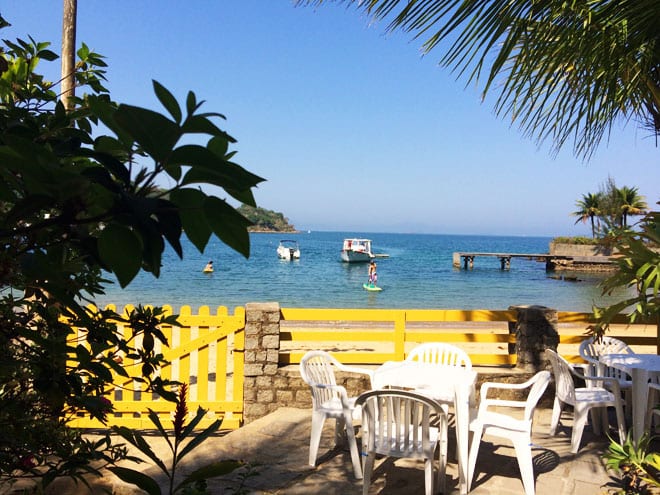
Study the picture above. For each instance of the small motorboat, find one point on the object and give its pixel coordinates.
(356, 250)
(288, 250)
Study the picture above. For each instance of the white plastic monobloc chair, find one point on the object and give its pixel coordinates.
(498, 424)
(591, 349)
(330, 400)
(652, 405)
(582, 399)
(399, 423)
(441, 354)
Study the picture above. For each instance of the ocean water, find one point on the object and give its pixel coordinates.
(417, 274)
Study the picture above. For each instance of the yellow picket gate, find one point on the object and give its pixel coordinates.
(205, 351)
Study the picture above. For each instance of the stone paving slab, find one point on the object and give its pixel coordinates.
(277, 447)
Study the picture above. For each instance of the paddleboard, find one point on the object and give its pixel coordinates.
(371, 287)
(208, 271)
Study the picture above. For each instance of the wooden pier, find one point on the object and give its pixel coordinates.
(466, 260)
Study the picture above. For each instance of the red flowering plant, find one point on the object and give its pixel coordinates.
(181, 442)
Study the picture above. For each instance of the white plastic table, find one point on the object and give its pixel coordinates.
(445, 384)
(641, 367)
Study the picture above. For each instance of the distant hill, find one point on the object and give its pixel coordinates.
(266, 220)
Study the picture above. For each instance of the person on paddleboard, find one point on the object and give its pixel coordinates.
(373, 276)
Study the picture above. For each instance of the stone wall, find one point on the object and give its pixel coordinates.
(565, 249)
(268, 386)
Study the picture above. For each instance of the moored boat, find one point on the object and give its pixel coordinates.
(288, 250)
(356, 250)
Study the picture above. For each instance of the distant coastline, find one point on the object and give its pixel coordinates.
(258, 230)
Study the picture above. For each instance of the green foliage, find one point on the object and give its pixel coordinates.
(636, 465)
(193, 482)
(266, 220)
(609, 208)
(80, 195)
(638, 263)
(584, 241)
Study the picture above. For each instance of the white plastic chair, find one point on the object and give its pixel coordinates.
(501, 425)
(583, 399)
(330, 400)
(441, 354)
(399, 423)
(591, 349)
(653, 402)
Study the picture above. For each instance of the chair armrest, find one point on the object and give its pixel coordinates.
(510, 386)
(613, 382)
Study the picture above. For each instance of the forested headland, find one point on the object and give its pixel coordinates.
(265, 220)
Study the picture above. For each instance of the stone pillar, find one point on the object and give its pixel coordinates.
(262, 347)
(536, 331)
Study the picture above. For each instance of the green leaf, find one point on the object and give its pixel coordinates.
(191, 103)
(47, 55)
(120, 249)
(219, 468)
(154, 132)
(168, 101)
(207, 166)
(170, 224)
(199, 438)
(193, 219)
(143, 481)
(136, 439)
(229, 225)
(197, 124)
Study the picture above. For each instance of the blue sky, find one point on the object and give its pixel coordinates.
(352, 128)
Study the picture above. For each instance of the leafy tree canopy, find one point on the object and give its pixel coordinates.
(78, 195)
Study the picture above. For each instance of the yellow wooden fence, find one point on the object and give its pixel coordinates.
(205, 351)
(372, 336)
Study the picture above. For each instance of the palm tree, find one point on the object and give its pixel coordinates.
(630, 203)
(563, 70)
(589, 208)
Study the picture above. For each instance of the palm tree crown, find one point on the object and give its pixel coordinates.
(630, 203)
(589, 209)
(563, 70)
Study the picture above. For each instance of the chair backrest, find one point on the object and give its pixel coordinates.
(398, 423)
(441, 354)
(317, 370)
(539, 382)
(564, 384)
(591, 349)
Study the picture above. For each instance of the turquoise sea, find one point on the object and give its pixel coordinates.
(417, 274)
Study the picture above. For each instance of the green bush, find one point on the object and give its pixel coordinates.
(586, 241)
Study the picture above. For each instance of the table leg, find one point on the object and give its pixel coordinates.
(462, 402)
(640, 378)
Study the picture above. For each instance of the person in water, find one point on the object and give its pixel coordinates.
(209, 267)
(373, 276)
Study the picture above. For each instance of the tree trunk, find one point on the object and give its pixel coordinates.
(69, 15)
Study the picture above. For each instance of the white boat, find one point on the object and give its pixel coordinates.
(288, 250)
(356, 250)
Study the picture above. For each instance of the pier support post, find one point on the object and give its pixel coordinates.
(536, 331)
